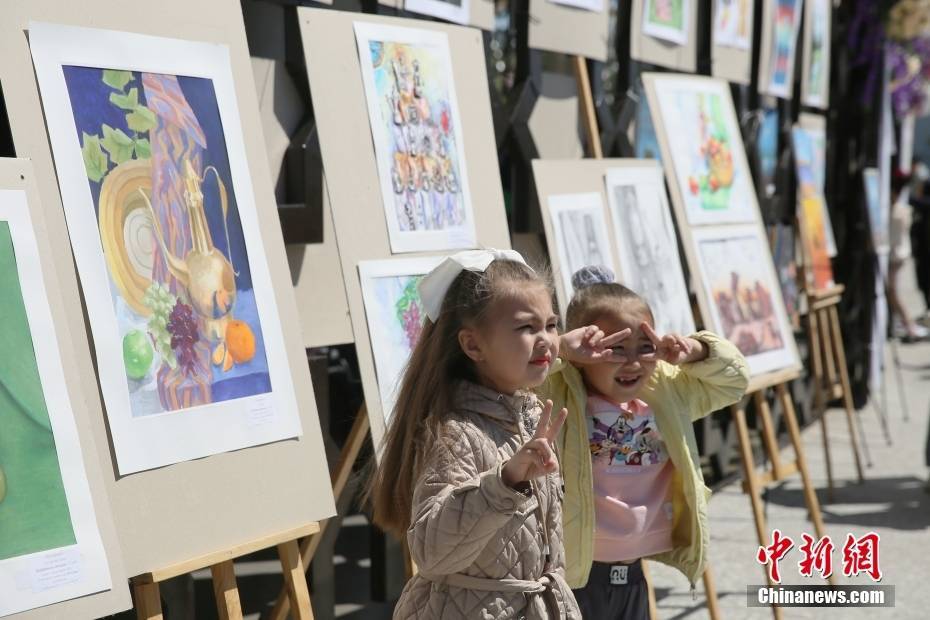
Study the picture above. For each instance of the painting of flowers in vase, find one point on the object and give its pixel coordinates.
(155, 157)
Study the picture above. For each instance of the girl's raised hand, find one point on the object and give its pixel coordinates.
(536, 457)
(588, 345)
(671, 348)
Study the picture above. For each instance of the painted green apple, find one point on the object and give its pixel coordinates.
(137, 354)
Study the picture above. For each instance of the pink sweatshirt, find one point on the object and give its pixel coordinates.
(632, 475)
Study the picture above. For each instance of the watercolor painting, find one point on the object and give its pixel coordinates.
(418, 137)
(814, 216)
(781, 239)
(579, 225)
(34, 513)
(733, 23)
(783, 46)
(667, 20)
(168, 234)
(156, 162)
(767, 150)
(395, 317)
(707, 153)
(878, 214)
(648, 246)
(744, 295)
(458, 11)
(817, 53)
(815, 127)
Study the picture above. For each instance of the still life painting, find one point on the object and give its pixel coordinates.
(667, 20)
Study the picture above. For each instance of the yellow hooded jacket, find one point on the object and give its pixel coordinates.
(678, 395)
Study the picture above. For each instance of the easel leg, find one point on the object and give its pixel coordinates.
(840, 353)
(295, 579)
(810, 496)
(586, 102)
(226, 591)
(902, 393)
(820, 405)
(148, 601)
(768, 434)
(749, 472)
(340, 478)
(710, 591)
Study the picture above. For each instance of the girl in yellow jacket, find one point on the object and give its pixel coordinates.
(633, 485)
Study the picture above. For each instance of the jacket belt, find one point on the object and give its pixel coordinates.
(545, 596)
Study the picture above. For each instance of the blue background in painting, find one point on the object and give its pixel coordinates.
(768, 144)
(91, 106)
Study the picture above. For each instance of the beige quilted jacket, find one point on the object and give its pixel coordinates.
(479, 545)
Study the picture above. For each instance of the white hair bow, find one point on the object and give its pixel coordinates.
(434, 286)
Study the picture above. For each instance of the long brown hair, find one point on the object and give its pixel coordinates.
(427, 388)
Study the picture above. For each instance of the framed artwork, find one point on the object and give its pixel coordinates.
(815, 219)
(733, 23)
(666, 20)
(51, 548)
(781, 238)
(395, 317)
(767, 150)
(702, 148)
(815, 127)
(744, 296)
(417, 132)
(815, 84)
(458, 11)
(879, 217)
(580, 228)
(648, 246)
(157, 192)
(782, 37)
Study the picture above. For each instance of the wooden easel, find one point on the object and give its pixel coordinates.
(831, 377)
(754, 482)
(146, 587)
(593, 138)
(339, 477)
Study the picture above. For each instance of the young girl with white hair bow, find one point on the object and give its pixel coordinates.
(468, 472)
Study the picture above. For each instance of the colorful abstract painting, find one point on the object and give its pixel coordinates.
(395, 317)
(706, 148)
(579, 225)
(648, 246)
(156, 161)
(815, 127)
(744, 295)
(814, 217)
(667, 20)
(418, 139)
(34, 512)
(733, 23)
(783, 40)
(168, 239)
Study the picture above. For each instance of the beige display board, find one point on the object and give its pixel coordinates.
(17, 174)
(555, 122)
(480, 12)
(729, 62)
(569, 30)
(168, 515)
(691, 234)
(341, 111)
(646, 48)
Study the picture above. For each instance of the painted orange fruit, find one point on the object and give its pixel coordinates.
(240, 341)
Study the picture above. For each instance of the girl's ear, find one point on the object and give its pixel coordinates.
(471, 345)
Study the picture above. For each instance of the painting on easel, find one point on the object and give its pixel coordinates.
(744, 295)
(814, 217)
(167, 237)
(51, 549)
(418, 137)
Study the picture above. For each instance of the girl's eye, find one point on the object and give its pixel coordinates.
(522, 327)
(552, 326)
(647, 349)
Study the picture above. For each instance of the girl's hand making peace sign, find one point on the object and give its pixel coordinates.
(673, 348)
(588, 345)
(536, 457)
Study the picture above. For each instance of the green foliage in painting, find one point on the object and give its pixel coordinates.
(95, 160)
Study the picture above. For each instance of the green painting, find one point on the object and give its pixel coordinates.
(34, 512)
